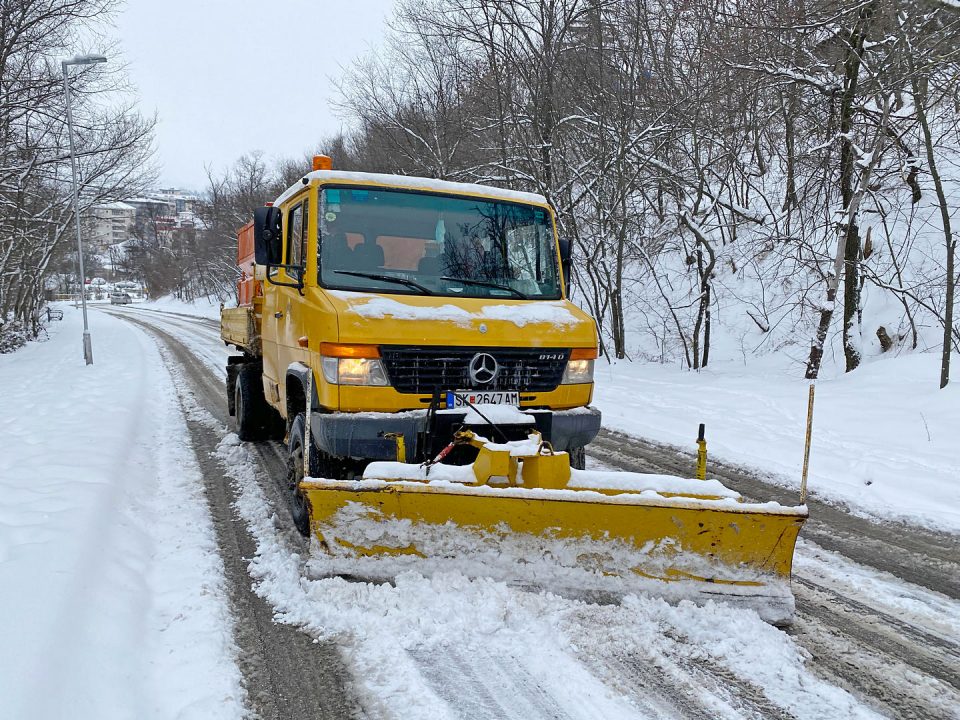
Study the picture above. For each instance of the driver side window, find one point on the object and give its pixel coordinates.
(297, 238)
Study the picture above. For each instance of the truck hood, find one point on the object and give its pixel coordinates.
(468, 321)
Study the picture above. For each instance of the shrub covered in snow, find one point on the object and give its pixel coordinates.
(13, 335)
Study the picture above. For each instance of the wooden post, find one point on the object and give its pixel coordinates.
(806, 447)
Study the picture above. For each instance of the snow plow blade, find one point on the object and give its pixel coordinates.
(520, 514)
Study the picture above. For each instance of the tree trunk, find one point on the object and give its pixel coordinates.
(851, 254)
(846, 262)
(705, 273)
(920, 95)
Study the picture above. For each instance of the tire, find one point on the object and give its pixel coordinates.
(250, 406)
(297, 502)
(578, 457)
(321, 465)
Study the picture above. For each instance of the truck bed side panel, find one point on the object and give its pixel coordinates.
(239, 327)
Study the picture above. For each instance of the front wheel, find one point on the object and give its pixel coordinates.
(299, 507)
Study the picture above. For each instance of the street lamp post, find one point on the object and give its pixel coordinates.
(79, 60)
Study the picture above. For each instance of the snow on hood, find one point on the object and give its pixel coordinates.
(553, 312)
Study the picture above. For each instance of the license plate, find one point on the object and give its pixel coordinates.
(465, 398)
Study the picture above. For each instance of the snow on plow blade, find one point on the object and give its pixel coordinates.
(521, 515)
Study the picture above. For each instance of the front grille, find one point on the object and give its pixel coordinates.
(425, 369)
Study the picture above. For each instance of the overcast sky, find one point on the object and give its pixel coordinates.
(230, 76)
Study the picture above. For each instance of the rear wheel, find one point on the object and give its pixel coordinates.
(578, 457)
(251, 411)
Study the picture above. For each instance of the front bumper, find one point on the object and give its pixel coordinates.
(361, 435)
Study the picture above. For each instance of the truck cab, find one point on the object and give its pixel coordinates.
(396, 310)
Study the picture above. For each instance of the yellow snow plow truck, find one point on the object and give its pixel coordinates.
(413, 343)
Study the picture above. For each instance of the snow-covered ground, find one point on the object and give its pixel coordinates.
(111, 592)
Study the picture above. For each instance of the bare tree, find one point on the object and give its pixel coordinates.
(113, 146)
(749, 155)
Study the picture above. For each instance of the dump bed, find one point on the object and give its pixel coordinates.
(248, 288)
(239, 327)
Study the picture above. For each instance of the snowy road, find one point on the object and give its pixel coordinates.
(877, 633)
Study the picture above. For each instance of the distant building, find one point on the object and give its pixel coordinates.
(161, 212)
(182, 201)
(109, 224)
(113, 230)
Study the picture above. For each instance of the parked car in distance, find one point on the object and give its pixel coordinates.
(120, 298)
(128, 286)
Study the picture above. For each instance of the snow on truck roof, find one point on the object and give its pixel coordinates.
(414, 183)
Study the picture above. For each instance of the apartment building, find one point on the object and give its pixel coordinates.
(110, 224)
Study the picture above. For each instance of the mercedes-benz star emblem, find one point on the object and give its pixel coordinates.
(483, 368)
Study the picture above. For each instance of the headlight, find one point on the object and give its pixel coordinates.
(578, 371)
(354, 371)
(352, 364)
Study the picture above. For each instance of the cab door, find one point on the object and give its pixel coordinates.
(290, 313)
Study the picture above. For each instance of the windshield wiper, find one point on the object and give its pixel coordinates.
(485, 283)
(387, 278)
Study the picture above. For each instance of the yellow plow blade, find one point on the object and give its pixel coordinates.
(519, 514)
(616, 543)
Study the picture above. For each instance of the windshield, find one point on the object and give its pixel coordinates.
(417, 243)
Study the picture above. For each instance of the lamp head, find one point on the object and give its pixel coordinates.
(85, 60)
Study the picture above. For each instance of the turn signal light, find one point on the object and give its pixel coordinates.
(584, 354)
(303, 341)
(349, 351)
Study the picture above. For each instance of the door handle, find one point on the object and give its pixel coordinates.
(278, 314)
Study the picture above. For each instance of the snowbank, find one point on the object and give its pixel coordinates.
(112, 602)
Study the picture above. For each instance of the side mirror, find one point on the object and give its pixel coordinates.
(565, 261)
(267, 239)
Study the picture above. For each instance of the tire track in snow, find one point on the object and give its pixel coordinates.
(486, 687)
(672, 678)
(881, 680)
(937, 656)
(196, 319)
(200, 335)
(916, 676)
(746, 697)
(648, 687)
